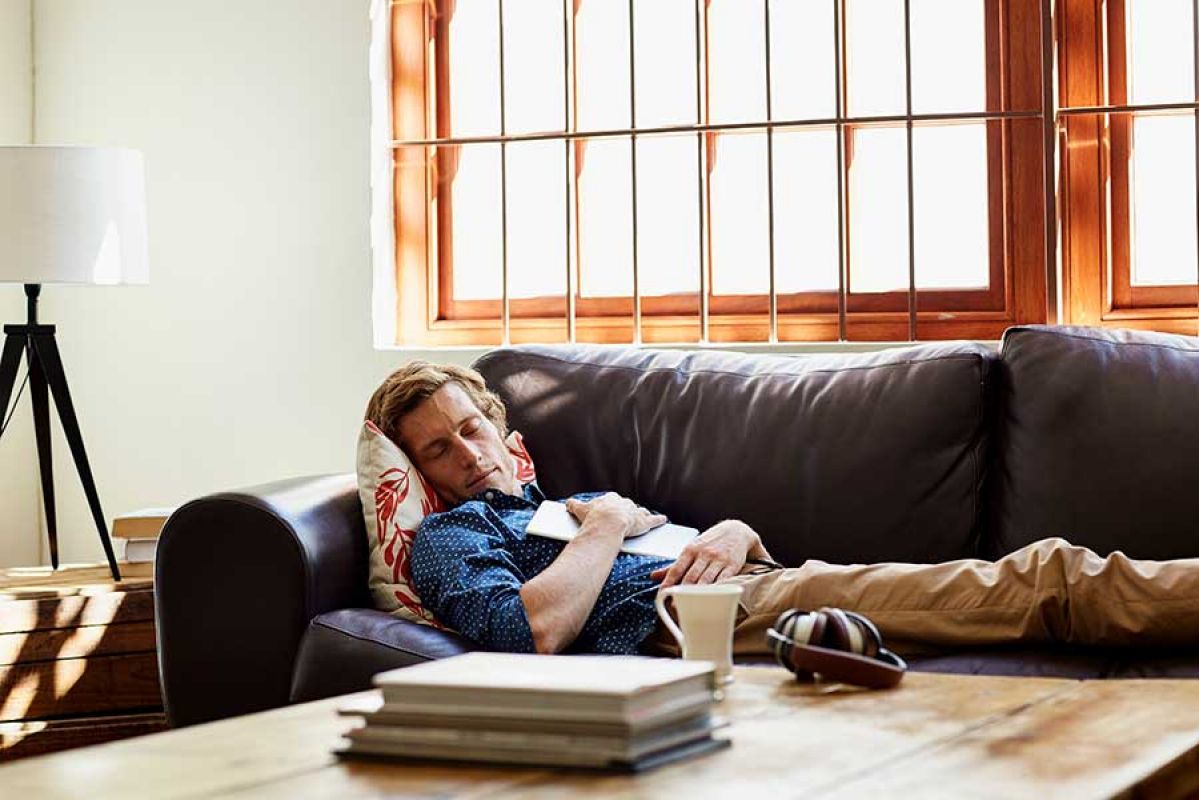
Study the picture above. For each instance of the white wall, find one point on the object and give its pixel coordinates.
(19, 536)
(248, 357)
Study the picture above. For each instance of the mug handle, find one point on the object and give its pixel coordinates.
(664, 615)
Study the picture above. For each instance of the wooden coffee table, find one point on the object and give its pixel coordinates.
(936, 735)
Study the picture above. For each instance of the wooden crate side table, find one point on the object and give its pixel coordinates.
(78, 662)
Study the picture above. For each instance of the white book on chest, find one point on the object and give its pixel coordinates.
(553, 521)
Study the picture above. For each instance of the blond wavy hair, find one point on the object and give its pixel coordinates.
(413, 383)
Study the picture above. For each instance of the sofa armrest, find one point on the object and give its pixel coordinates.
(238, 576)
(344, 649)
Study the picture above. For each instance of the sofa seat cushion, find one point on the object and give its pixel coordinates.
(1079, 663)
(1022, 662)
(342, 650)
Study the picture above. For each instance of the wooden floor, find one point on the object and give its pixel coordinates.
(78, 661)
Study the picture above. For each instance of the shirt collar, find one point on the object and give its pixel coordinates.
(530, 495)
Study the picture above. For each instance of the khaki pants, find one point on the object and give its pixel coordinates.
(1050, 591)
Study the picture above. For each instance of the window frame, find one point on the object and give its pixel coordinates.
(427, 314)
(1096, 181)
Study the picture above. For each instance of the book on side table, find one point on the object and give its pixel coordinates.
(602, 712)
(136, 533)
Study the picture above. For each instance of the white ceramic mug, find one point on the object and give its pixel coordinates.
(706, 614)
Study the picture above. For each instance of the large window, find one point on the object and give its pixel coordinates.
(787, 170)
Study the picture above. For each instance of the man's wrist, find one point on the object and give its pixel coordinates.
(755, 548)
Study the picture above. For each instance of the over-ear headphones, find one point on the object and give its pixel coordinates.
(836, 645)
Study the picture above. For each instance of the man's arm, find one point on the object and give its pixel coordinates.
(559, 599)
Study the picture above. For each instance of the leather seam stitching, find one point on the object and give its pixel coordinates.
(683, 371)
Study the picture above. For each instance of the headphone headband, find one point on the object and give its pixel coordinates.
(839, 646)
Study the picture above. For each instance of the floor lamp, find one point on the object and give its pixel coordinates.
(68, 215)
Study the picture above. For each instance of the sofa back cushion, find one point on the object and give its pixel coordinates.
(847, 458)
(1098, 441)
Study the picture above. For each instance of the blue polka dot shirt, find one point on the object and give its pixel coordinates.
(469, 563)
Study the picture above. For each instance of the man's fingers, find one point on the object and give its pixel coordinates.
(577, 509)
(678, 569)
(648, 523)
(728, 572)
(695, 571)
(659, 573)
(710, 574)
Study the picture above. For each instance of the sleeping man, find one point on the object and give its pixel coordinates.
(475, 568)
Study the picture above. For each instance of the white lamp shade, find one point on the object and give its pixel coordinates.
(72, 215)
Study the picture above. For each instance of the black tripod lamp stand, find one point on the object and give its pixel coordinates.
(73, 215)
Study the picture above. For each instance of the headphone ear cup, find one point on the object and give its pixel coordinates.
(873, 640)
(794, 627)
(798, 626)
(841, 633)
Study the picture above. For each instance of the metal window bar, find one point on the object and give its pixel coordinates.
(1081, 111)
(633, 174)
(839, 95)
(907, 70)
(756, 125)
(568, 175)
(700, 171)
(505, 308)
(774, 299)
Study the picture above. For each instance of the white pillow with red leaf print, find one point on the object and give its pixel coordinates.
(395, 500)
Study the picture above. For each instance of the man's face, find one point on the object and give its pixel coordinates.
(456, 448)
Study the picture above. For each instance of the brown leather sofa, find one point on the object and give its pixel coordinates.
(926, 453)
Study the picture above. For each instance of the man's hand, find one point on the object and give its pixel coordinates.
(613, 511)
(717, 553)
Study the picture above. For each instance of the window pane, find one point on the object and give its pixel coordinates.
(875, 60)
(878, 211)
(665, 50)
(949, 56)
(536, 219)
(474, 86)
(952, 219)
(805, 209)
(605, 214)
(803, 60)
(602, 64)
(476, 241)
(534, 70)
(1163, 201)
(736, 60)
(1160, 51)
(740, 232)
(668, 214)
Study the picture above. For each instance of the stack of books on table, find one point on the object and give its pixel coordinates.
(605, 712)
(135, 533)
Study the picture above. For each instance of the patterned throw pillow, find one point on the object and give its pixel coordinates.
(395, 499)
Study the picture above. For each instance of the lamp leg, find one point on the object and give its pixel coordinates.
(47, 352)
(10, 361)
(41, 427)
